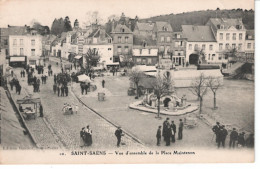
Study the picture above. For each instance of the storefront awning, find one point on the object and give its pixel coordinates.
(77, 57)
(17, 59)
(112, 64)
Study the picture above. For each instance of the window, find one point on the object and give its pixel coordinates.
(168, 39)
(126, 49)
(227, 46)
(140, 51)
(227, 36)
(190, 46)
(149, 51)
(149, 61)
(14, 51)
(234, 36)
(220, 57)
(109, 40)
(233, 46)
(210, 47)
(213, 56)
(196, 46)
(209, 57)
(181, 43)
(203, 46)
(221, 36)
(21, 41)
(6, 51)
(123, 30)
(126, 39)
(14, 42)
(240, 46)
(119, 39)
(33, 52)
(138, 60)
(220, 46)
(119, 49)
(162, 38)
(5, 42)
(248, 45)
(33, 42)
(21, 51)
(109, 49)
(240, 36)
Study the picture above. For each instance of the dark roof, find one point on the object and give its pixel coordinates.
(160, 25)
(198, 33)
(250, 33)
(139, 39)
(93, 33)
(119, 27)
(14, 30)
(145, 26)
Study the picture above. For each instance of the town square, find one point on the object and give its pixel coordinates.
(175, 81)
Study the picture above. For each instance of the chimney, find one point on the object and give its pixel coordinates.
(113, 25)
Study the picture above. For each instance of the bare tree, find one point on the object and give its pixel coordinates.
(214, 84)
(92, 17)
(135, 76)
(162, 86)
(199, 88)
(201, 53)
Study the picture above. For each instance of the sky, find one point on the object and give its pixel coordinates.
(21, 12)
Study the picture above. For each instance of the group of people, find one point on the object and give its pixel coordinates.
(22, 73)
(169, 131)
(61, 90)
(16, 83)
(236, 139)
(36, 84)
(84, 87)
(86, 136)
(44, 78)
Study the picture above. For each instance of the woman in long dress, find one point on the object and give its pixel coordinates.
(88, 132)
(82, 137)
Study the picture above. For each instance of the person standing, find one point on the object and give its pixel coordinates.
(55, 78)
(66, 90)
(88, 133)
(241, 139)
(216, 130)
(173, 128)
(222, 136)
(76, 108)
(19, 88)
(58, 89)
(82, 137)
(168, 135)
(233, 138)
(82, 88)
(159, 135)
(21, 73)
(165, 124)
(86, 88)
(180, 130)
(103, 83)
(42, 79)
(119, 134)
(54, 88)
(250, 141)
(12, 73)
(41, 110)
(62, 91)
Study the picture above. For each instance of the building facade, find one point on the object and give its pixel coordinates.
(250, 45)
(178, 49)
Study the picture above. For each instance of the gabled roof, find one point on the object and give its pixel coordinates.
(119, 28)
(139, 39)
(96, 33)
(198, 33)
(145, 26)
(226, 22)
(250, 33)
(160, 25)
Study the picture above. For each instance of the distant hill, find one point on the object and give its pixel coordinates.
(202, 17)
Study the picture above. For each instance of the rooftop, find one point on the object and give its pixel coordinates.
(198, 33)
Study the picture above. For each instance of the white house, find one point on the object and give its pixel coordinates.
(29, 45)
(200, 39)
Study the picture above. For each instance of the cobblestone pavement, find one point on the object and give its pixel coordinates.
(67, 127)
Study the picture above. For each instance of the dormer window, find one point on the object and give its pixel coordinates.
(164, 28)
(144, 44)
(221, 26)
(122, 30)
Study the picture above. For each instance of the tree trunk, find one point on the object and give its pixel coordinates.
(215, 101)
(201, 105)
(137, 94)
(158, 107)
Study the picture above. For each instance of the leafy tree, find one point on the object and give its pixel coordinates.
(199, 88)
(92, 58)
(201, 54)
(162, 86)
(135, 76)
(214, 84)
(57, 26)
(67, 25)
(43, 30)
(231, 54)
(93, 17)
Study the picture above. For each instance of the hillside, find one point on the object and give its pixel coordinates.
(201, 17)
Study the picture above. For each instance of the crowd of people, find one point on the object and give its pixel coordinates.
(60, 85)
(169, 131)
(236, 139)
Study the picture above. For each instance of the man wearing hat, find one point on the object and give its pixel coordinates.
(233, 138)
(119, 134)
(241, 139)
(159, 135)
(164, 130)
(222, 136)
(216, 130)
